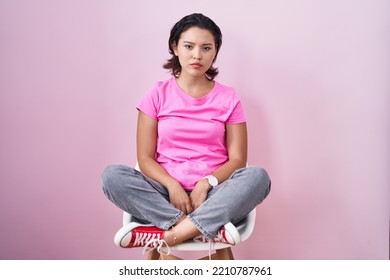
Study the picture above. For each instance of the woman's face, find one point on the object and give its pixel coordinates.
(196, 51)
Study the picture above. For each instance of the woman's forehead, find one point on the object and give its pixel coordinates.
(197, 35)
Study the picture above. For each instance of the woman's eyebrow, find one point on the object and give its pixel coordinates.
(192, 43)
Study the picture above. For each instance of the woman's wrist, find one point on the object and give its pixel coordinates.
(172, 184)
(204, 184)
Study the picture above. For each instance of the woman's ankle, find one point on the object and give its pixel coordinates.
(170, 238)
(180, 220)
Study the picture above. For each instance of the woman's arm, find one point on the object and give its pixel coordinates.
(146, 150)
(146, 153)
(237, 146)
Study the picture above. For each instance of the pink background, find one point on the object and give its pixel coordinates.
(314, 80)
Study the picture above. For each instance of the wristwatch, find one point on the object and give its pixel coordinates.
(213, 181)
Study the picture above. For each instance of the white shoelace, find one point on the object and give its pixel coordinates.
(141, 238)
(159, 245)
(217, 238)
(204, 239)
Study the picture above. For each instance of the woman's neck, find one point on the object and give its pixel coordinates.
(195, 86)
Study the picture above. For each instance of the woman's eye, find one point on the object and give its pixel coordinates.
(188, 47)
(207, 48)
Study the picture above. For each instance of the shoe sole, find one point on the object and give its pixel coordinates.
(233, 233)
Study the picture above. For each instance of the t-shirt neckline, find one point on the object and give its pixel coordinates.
(190, 99)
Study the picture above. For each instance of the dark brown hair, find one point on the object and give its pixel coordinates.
(193, 20)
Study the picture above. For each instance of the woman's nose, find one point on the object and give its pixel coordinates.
(197, 54)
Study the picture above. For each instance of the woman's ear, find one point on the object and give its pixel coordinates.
(174, 48)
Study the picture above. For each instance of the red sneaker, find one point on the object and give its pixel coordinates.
(228, 234)
(137, 235)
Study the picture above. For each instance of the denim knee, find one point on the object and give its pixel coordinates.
(111, 177)
(262, 180)
(108, 175)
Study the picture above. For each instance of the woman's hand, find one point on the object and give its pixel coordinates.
(199, 193)
(179, 198)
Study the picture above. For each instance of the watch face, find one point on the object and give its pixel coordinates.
(213, 181)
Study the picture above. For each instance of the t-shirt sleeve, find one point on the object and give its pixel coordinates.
(237, 115)
(149, 103)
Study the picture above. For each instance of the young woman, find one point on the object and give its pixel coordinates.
(191, 150)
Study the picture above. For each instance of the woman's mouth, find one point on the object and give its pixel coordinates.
(196, 65)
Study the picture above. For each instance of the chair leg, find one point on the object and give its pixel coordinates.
(221, 254)
(206, 258)
(153, 255)
(224, 254)
(169, 257)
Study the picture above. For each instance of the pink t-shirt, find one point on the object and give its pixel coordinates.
(191, 140)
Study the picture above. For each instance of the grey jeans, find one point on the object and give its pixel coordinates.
(148, 201)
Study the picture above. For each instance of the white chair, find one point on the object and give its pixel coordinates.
(222, 251)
